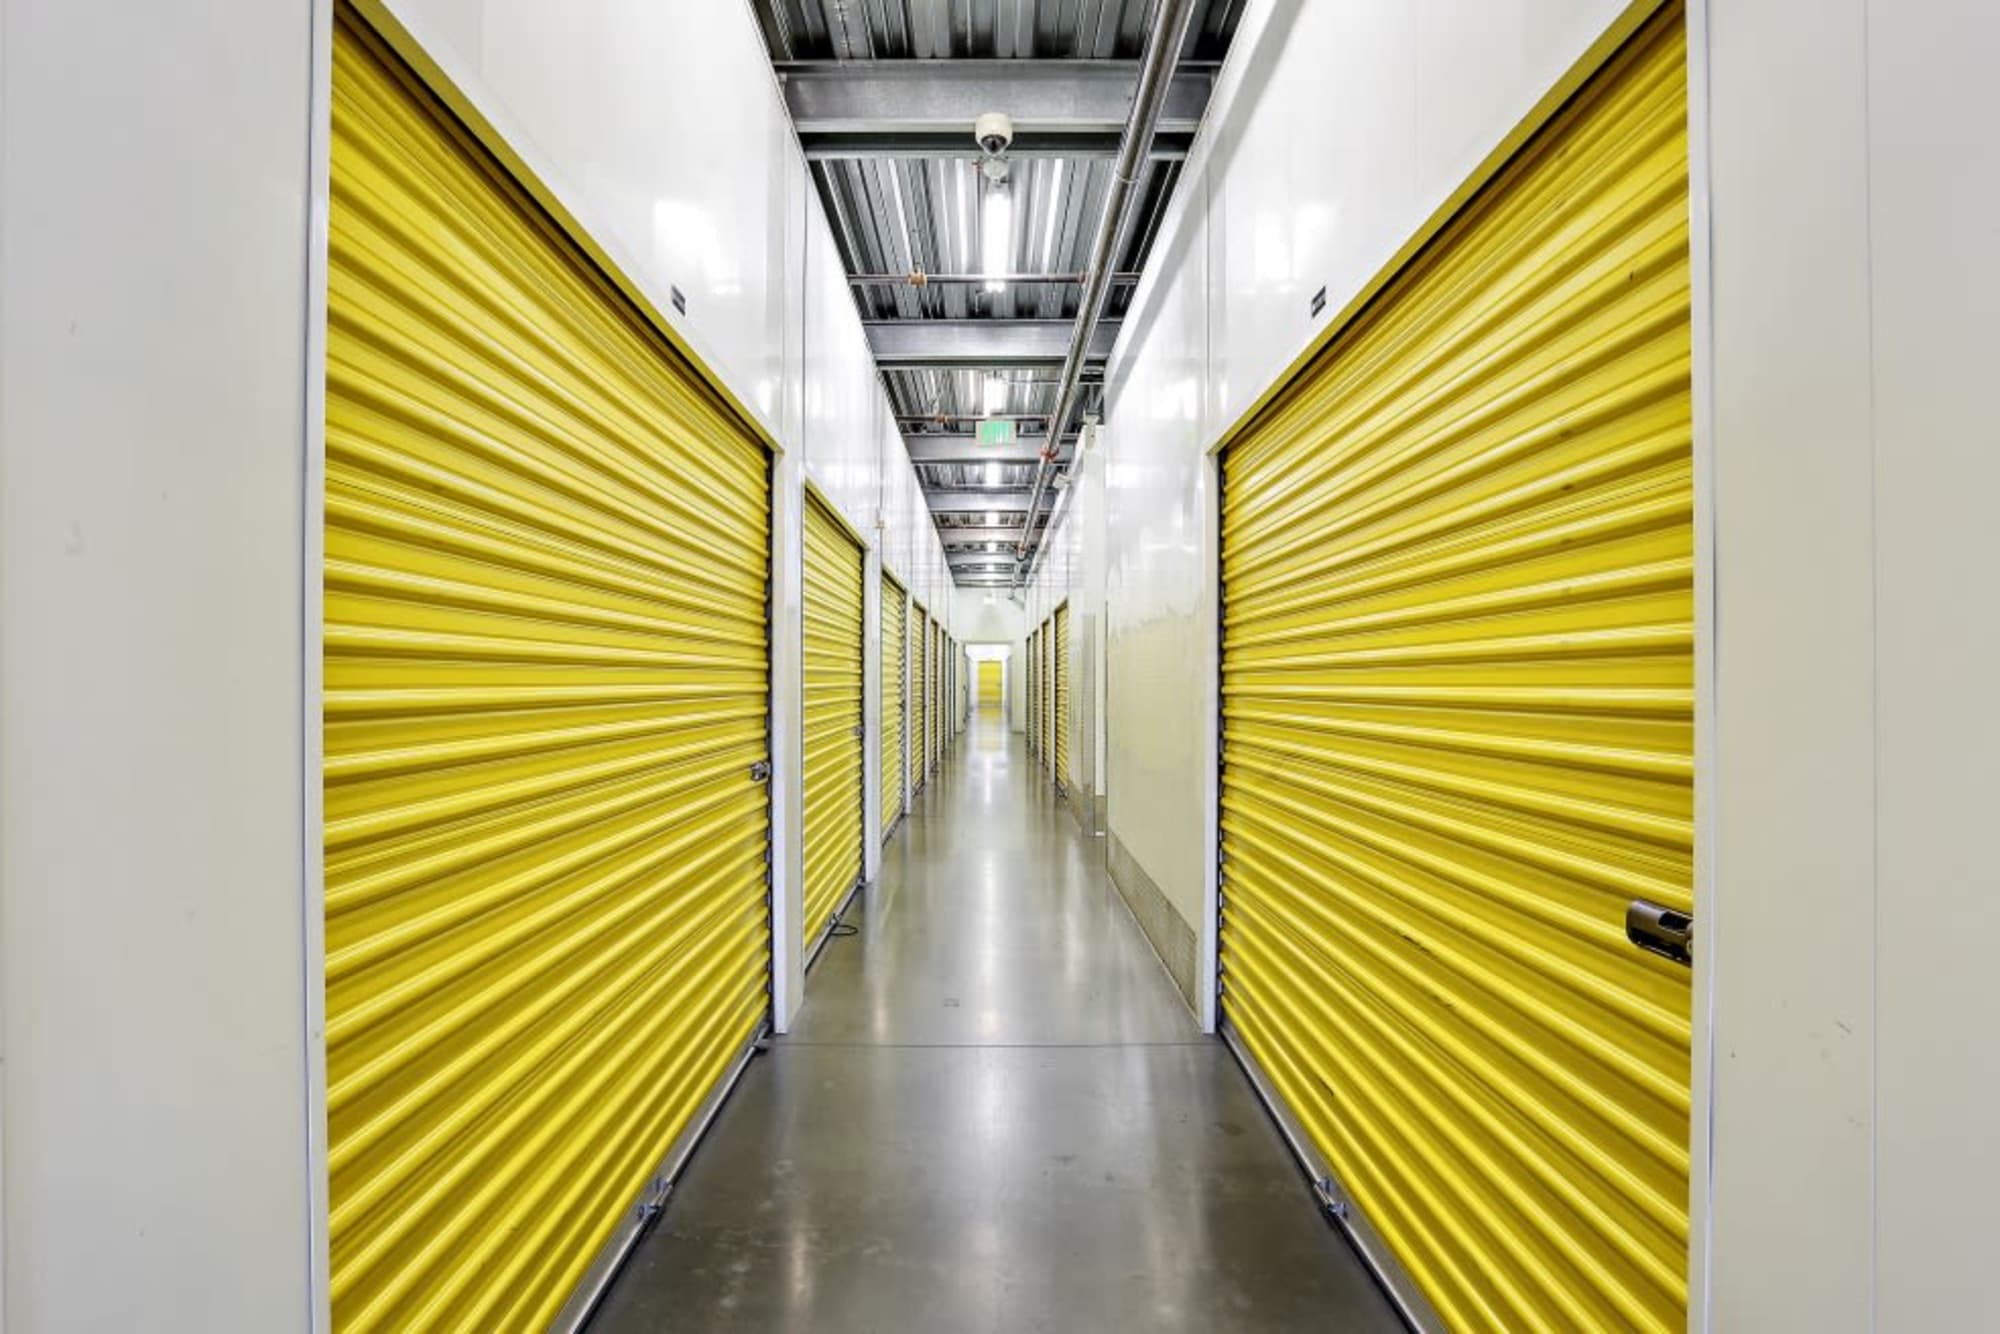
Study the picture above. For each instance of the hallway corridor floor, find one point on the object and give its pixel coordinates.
(995, 1113)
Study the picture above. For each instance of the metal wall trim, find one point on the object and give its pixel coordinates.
(1701, 294)
(1208, 963)
(312, 678)
(652, 1201)
(1333, 1199)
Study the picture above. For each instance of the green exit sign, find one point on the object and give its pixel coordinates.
(996, 433)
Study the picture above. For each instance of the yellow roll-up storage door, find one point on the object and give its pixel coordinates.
(1033, 686)
(894, 734)
(1047, 721)
(934, 704)
(1062, 694)
(989, 683)
(1457, 675)
(833, 732)
(546, 672)
(919, 726)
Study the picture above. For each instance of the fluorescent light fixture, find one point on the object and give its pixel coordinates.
(992, 474)
(996, 234)
(996, 395)
(965, 189)
(1055, 210)
(993, 518)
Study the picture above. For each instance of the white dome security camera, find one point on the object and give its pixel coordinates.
(994, 131)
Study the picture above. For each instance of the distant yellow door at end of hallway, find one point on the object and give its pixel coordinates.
(990, 675)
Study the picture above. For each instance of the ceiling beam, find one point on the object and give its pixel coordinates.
(925, 108)
(910, 345)
(956, 539)
(982, 532)
(977, 502)
(977, 552)
(960, 447)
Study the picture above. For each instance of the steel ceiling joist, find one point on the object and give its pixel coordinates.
(977, 502)
(957, 532)
(925, 108)
(954, 541)
(977, 344)
(964, 448)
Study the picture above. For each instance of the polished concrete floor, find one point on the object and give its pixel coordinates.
(995, 1113)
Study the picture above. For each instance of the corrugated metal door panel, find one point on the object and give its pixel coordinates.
(1050, 685)
(919, 725)
(1032, 684)
(1041, 699)
(1458, 717)
(937, 692)
(833, 697)
(894, 737)
(546, 668)
(1062, 695)
(989, 683)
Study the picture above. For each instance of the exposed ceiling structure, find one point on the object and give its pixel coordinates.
(884, 94)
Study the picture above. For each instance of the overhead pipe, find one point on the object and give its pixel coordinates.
(1156, 70)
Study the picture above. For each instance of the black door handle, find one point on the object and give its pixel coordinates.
(1660, 930)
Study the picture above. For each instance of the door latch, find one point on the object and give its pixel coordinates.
(1660, 930)
(760, 772)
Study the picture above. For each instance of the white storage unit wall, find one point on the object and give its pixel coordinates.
(1840, 667)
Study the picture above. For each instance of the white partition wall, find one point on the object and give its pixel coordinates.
(1851, 1047)
(159, 569)
(158, 644)
(1842, 304)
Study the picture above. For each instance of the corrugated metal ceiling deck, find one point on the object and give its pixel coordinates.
(1002, 29)
(898, 214)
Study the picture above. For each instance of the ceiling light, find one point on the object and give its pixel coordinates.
(996, 395)
(993, 518)
(1055, 211)
(992, 474)
(996, 234)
